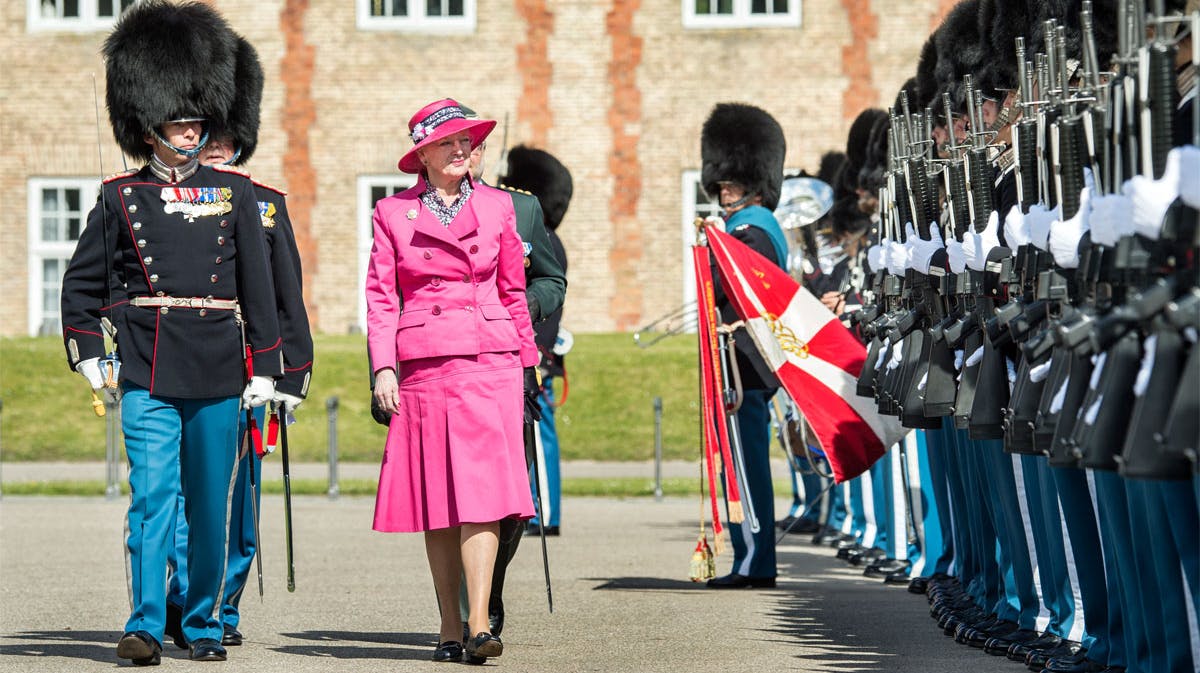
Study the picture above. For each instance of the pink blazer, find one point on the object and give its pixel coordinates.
(435, 291)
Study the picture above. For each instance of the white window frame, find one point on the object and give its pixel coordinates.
(88, 21)
(366, 232)
(417, 21)
(38, 250)
(741, 17)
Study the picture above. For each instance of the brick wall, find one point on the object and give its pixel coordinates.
(617, 89)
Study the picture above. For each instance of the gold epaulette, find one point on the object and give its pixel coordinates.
(122, 174)
(230, 169)
(270, 187)
(526, 192)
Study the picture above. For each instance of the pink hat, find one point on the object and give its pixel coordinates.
(438, 120)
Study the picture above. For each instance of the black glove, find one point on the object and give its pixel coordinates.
(533, 410)
(381, 417)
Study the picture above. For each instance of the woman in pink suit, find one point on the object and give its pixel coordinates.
(449, 334)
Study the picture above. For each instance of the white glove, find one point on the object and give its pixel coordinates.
(975, 357)
(1016, 229)
(1151, 198)
(921, 250)
(989, 238)
(1065, 236)
(897, 355)
(90, 370)
(956, 255)
(259, 391)
(875, 257)
(883, 352)
(1039, 219)
(1189, 173)
(1038, 373)
(973, 250)
(1111, 217)
(896, 257)
(288, 402)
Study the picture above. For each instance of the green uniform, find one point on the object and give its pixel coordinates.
(545, 282)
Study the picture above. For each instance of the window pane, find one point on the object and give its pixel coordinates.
(433, 7)
(49, 200)
(49, 228)
(781, 6)
(725, 6)
(126, 4)
(72, 199)
(399, 7)
(456, 8)
(73, 224)
(104, 8)
(376, 194)
(758, 6)
(71, 8)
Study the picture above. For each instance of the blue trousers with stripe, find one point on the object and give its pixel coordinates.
(754, 553)
(176, 445)
(549, 436)
(938, 546)
(1101, 608)
(1041, 503)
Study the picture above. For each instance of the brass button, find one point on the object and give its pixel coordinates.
(437, 310)
(213, 278)
(148, 260)
(141, 242)
(203, 312)
(428, 255)
(217, 260)
(474, 249)
(224, 224)
(127, 191)
(163, 310)
(467, 278)
(133, 208)
(435, 282)
(220, 240)
(137, 226)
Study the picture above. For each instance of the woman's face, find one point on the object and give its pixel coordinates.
(448, 158)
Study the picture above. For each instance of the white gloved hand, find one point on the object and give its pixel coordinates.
(956, 255)
(876, 257)
(1151, 198)
(973, 250)
(287, 402)
(90, 370)
(958, 360)
(1016, 229)
(1189, 173)
(975, 357)
(989, 238)
(897, 355)
(1039, 219)
(259, 391)
(921, 250)
(1038, 373)
(896, 257)
(883, 352)
(1065, 236)
(1111, 218)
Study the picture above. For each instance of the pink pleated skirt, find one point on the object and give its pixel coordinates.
(455, 450)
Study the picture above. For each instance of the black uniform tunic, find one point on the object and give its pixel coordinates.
(195, 238)
(284, 258)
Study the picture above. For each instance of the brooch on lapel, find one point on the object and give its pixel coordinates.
(193, 202)
(412, 214)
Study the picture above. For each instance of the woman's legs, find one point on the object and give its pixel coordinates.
(479, 542)
(445, 563)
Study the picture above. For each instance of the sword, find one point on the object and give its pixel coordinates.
(531, 449)
(732, 402)
(287, 502)
(249, 450)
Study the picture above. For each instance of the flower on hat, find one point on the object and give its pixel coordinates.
(419, 132)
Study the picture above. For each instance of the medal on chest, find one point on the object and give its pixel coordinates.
(193, 202)
(266, 211)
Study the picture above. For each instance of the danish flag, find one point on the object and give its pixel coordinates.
(816, 359)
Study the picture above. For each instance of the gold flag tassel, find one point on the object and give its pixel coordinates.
(703, 566)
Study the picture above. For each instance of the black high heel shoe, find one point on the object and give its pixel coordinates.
(482, 646)
(451, 650)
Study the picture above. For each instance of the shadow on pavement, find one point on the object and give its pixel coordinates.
(92, 645)
(406, 646)
(644, 584)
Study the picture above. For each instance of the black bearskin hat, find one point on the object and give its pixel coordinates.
(167, 61)
(831, 165)
(959, 51)
(1066, 14)
(243, 119)
(545, 177)
(927, 83)
(859, 137)
(871, 174)
(744, 144)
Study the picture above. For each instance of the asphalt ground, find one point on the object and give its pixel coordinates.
(364, 600)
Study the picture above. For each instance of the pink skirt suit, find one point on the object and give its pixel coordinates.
(447, 305)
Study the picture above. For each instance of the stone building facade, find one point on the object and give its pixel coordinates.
(617, 89)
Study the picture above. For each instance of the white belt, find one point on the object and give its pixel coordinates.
(186, 302)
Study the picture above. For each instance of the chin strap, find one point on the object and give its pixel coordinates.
(727, 207)
(192, 153)
(233, 159)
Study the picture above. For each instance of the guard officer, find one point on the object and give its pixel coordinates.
(185, 244)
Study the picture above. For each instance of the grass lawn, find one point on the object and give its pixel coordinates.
(608, 414)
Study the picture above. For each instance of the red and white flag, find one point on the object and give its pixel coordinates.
(814, 356)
